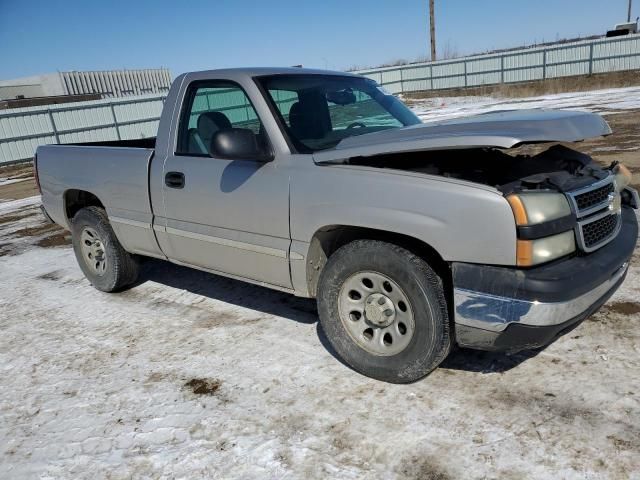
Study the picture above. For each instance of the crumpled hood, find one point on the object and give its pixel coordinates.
(503, 129)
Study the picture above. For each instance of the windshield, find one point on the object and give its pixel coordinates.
(318, 111)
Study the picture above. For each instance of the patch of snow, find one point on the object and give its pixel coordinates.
(605, 102)
(9, 181)
(93, 385)
(13, 205)
(615, 149)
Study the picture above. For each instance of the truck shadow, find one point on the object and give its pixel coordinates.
(302, 310)
(485, 362)
(228, 290)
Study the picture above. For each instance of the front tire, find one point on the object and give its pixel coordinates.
(383, 310)
(102, 259)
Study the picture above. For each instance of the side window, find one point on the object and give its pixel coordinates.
(284, 100)
(212, 107)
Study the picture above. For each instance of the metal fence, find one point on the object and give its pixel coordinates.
(577, 58)
(23, 129)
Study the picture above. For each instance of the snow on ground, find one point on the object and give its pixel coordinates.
(99, 385)
(12, 205)
(190, 375)
(605, 102)
(9, 181)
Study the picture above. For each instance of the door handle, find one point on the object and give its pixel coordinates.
(174, 180)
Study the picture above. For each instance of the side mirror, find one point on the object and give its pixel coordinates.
(238, 143)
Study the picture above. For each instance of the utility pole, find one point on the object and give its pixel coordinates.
(432, 19)
(629, 13)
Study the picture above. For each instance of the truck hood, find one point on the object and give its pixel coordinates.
(503, 129)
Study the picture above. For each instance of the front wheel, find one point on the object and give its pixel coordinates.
(99, 254)
(383, 310)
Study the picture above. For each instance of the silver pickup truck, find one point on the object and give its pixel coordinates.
(412, 237)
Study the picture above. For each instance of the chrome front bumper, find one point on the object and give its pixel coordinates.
(509, 309)
(496, 313)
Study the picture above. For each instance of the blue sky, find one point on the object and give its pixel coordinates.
(40, 36)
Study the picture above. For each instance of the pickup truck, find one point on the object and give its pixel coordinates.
(413, 237)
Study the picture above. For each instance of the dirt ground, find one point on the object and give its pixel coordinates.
(19, 181)
(190, 375)
(622, 146)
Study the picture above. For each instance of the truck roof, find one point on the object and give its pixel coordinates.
(259, 71)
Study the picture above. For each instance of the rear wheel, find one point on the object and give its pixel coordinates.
(384, 312)
(99, 254)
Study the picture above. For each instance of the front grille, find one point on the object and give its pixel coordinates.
(599, 231)
(587, 200)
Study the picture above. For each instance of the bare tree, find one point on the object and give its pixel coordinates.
(449, 51)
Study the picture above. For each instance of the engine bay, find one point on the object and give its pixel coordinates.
(557, 168)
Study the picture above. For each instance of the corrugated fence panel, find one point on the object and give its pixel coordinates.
(375, 77)
(392, 80)
(142, 129)
(97, 134)
(95, 116)
(616, 64)
(447, 75)
(616, 56)
(22, 149)
(523, 67)
(22, 130)
(483, 71)
(568, 61)
(416, 78)
(576, 58)
(285, 100)
(12, 126)
(135, 111)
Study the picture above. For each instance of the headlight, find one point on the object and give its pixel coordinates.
(538, 207)
(623, 177)
(535, 208)
(533, 252)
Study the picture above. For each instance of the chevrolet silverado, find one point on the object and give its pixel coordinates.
(413, 237)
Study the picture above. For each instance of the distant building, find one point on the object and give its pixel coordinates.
(107, 84)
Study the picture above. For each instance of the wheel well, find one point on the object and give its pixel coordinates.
(328, 239)
(74, 200)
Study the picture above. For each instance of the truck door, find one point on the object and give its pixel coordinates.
(230, 215)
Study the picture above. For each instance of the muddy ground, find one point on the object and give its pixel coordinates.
(191, 375)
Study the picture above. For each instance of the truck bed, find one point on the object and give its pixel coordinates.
(115, 172)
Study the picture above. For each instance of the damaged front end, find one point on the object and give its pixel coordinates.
(554, 194)
(576, 231)
(575, 224)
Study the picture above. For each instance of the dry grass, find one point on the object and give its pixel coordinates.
(541, 87)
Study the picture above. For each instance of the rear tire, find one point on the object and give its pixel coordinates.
(383, 310)
(100, 255)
